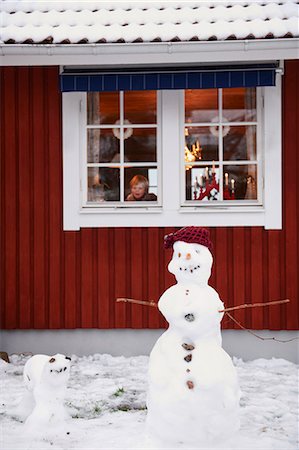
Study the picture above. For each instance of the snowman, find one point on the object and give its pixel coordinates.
(45, 378)
(193, 395)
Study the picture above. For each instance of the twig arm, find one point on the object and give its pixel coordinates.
(137, 302)
(253, 305)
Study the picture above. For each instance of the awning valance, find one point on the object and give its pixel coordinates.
(95, 80)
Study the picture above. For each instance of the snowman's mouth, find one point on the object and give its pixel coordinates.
(63, 369)
(190, 269)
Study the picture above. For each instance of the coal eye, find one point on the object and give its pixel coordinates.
(179, 255)
(51, 370)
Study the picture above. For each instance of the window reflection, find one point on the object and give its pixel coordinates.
(141, 184)
(240, 182)
(103, 184)
(201, 105)
(102, 146)
(102, 108)
(141, 145)
(239, 104)
(140, 106)
(202, 183)
(200, 144)
(240, 143)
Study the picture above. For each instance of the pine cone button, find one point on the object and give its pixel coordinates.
(190, 384)
(188, 347)
(188, 358)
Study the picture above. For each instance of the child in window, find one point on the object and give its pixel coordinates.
(139, 190)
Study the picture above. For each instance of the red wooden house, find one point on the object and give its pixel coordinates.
(202, 100)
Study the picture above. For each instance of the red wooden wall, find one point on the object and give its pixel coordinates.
(55, 279)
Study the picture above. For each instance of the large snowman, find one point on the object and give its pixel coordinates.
(193, 395)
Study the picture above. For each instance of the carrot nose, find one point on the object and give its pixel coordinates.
(188, 256)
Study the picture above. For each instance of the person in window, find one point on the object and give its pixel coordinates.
(139, 190)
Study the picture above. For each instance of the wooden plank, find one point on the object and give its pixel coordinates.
(120, 275)
(137, 263)
(239, 272)
(24, 206)
(290, 196)
(257, 273)
(103, 268)
(86, 277)
(153, 276)
(10, 199)
(274, 279)
(39, 254)
(53, 198)
(95, 279)
(70, 276)
(111, 259)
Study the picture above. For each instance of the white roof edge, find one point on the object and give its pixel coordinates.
(148, 53)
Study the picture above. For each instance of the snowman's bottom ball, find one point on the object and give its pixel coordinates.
(190, 422)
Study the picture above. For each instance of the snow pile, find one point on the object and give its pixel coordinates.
(147, 21)
(106, 397)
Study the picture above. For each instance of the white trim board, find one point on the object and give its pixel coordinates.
(149, 53)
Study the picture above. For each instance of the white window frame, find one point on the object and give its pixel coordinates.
(106, 206)
(258, 161)
(171, 212)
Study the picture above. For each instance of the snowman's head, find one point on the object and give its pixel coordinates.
(56, 370)
(192, 259)
(191, 263)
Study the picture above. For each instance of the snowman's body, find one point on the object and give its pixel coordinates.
(193, 392)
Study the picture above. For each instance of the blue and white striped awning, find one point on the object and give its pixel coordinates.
(171, 78)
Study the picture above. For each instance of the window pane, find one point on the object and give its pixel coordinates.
(103, 184)
(102, 146)
(202, 183)
(140, 106)
(102, 108)
(240, 143)
(240, 182)
(239, 104)
(141, 145)
(141, 183)
(200, 144)
(201, 105)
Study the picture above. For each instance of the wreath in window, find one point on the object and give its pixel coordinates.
(214, 129)
(127, 132)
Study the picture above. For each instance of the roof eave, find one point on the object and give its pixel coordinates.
(151, 53)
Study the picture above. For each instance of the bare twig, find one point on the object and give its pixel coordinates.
(259, 337)
(137, 302)
(253, 305)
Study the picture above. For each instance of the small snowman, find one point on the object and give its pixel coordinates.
(193, 396)
(46, 380)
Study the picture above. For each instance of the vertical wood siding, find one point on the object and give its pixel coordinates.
(54, 279)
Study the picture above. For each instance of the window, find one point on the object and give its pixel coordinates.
(222, 157)
(122, 162)
(211, 157)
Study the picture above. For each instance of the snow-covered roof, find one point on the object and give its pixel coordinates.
(82, 22)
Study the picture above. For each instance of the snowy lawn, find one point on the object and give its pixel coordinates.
(106, 398)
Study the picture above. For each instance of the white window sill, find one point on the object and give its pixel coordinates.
(222, 209)
(121, 210)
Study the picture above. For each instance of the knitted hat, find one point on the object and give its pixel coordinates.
(191, 235)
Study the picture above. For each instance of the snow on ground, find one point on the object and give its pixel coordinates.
(106, 398)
